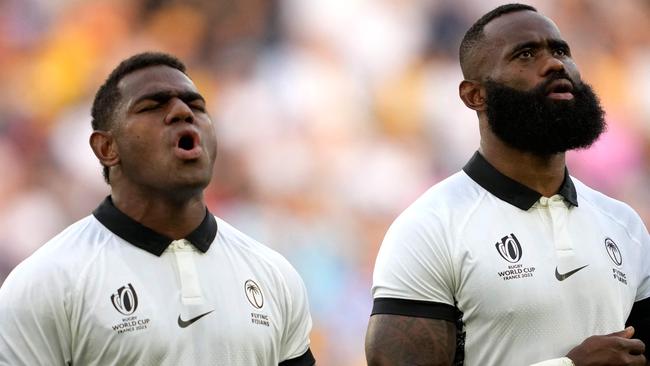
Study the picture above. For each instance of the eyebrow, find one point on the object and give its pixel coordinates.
(553, 43)
(164, 96)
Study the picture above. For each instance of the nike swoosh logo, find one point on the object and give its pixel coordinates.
(564, 276)
(186, 323)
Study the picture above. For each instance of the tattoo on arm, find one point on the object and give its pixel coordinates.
(404, 340)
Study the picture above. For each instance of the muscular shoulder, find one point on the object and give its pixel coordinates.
(242, 247)
(615, 211)
(416, 257)
(47, 279)
(443, 209)
(61, 258)
(453, 194)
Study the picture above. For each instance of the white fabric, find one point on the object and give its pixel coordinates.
(57, 308)
(444, 248)
(562, 361)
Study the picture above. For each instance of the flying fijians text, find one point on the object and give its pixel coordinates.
(260, 319)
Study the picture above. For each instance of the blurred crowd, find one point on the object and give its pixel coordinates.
(332, 116)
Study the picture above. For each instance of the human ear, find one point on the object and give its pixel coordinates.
(472, 94)
(104, 147)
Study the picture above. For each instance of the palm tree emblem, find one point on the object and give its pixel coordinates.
(254, 294)
(613, 251)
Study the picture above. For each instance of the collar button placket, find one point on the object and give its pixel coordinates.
(184, 253)
(559, 216)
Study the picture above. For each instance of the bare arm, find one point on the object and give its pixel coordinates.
(405, 340)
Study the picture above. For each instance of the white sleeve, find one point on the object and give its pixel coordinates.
(295, 338)
(643, 290)
(34, 327)
(414, 261)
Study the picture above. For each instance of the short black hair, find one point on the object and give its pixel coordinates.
(475, 33)
(108, 95)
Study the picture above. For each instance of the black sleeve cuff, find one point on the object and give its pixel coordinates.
(307, 359)
(415, 308)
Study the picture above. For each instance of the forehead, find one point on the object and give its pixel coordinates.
(519, 27)
(154, 79)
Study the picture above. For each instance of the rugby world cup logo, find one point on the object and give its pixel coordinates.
(125, 300)
(509, 248)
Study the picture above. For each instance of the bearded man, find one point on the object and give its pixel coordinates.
(512, 261)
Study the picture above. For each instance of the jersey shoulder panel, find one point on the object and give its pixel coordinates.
(237, 240)
(441, 212)
(285, 275)
(37, 297)
(63, 253)
(61, 264)
(452, 195)
(621, 215)
(416, 258)
(295, 306)
(618, 212)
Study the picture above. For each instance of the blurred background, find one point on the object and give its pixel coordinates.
(332, 116)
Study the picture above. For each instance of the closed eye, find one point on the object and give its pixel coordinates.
(198, 105)
(148, 107)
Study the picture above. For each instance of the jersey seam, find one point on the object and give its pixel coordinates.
(243, 237)
(261, 257)
(613, 218)
(459, 232)
(84, 273)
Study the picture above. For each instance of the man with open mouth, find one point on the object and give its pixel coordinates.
(152, 277)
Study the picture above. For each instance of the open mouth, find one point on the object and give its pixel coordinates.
(188, 146)
(560, 89)
(186, 142)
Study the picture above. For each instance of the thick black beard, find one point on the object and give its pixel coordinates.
(532, 122)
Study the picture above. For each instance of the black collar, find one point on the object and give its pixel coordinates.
(509, 190)
(143, 237)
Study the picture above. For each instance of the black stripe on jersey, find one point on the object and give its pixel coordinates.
(416, 308)
(426, 309)
(307, 359)
(640, 319)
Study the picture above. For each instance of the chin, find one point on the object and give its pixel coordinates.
(194, 184)
(189, 183)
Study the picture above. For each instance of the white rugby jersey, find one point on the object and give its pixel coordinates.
(109, 291)
(527, 277)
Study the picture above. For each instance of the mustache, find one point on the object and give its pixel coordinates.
(557, 75)
(539, 89)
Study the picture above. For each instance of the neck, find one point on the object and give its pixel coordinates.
(171, 216)
(543, 174)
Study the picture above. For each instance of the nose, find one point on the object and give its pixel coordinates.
(551, 65)
(179, 112)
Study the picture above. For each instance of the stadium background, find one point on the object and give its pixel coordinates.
(331, 117)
